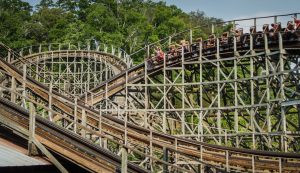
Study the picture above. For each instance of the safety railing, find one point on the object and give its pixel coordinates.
(191, 35)
(92, 46)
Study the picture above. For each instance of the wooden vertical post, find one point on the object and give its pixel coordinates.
(148, 51)
(83, 122)
(124, 149)
(182, 92)
(124, 160)
(9, 55)
(24, 87)
(227, 161)
(191, 37)
(32, 149)
(165, 158)
(100, 127)
(13, 90)
(33, 144)
(253, 164)
(75, 116)
(50, 101)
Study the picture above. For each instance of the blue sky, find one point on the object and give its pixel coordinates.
(233, 9)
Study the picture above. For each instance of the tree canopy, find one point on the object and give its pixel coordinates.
(129, 24)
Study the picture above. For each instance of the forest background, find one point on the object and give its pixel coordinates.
(128, 24)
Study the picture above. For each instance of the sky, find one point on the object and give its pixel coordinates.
(235, 9)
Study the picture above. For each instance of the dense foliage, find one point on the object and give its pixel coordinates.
(129, 24)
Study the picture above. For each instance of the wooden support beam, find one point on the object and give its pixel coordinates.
(50, 156)
(83, 122)
(33, 143)
(124, 160)
(165, 159)
(32, 150)
(13, 89)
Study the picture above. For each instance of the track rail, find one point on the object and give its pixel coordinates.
(118, 55)
(65, 143)
(137, 73)
(115, 61)
(219, 157)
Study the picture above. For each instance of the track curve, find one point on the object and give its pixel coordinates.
(185, 154)
(212, 155)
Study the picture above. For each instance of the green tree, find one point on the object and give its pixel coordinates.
(13, 15)
(129, 24)
(45, 4)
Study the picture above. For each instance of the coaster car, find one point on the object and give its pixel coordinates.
(209, 45)
(260, 35)
(291, 32)
(224, 38)
(211, 42)
(225, 41)
(246, 37)
(196, 44)
(172, 52)
(238, 34)
(273, 32)
(297, 23)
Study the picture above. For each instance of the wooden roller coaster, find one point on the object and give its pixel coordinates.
(73, 128)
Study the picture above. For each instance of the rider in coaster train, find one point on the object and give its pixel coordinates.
(297, 23)
(172, 51)
(155, 58)
(159, 54)
(185, 45)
